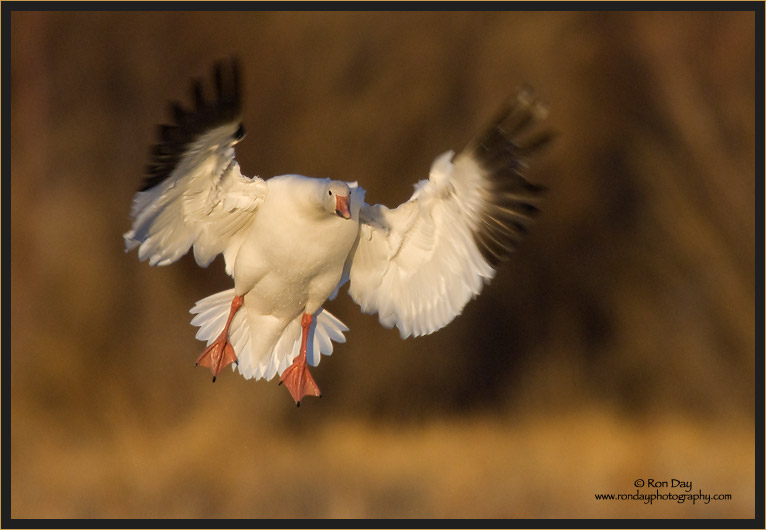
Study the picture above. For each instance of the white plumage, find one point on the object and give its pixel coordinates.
(291, 242)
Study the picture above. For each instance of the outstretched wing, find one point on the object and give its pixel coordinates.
(194, 193)
(419, 264)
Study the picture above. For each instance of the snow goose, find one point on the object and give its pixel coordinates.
(290, 242)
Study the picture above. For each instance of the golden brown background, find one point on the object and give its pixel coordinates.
(618, 344)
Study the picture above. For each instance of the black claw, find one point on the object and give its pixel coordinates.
(280, 383)
(213, 379)
(195, 365)
(320, 396)
(298, 404)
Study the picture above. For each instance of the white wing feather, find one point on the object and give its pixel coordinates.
(197, 195)
(418, 265)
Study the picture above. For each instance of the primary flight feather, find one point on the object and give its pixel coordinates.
(290, 242)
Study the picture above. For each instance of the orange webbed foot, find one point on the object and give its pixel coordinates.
(299, 381)
(217, 356)
(220, 353)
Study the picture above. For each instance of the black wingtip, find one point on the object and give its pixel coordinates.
(514, 132)
(218, 79)
(206, 114)
(240, 134)
(197, 95)
(501, 150)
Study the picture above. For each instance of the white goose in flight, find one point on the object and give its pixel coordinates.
(290, 242)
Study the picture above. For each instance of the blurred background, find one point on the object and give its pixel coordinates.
(617, 345)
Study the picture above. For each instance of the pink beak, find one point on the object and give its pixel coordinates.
(341, 206)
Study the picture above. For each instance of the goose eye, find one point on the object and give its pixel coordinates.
(329, 192)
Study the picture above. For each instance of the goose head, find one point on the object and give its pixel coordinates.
(336, 199)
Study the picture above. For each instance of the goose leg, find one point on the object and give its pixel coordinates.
(296, 377)
(220, 353)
